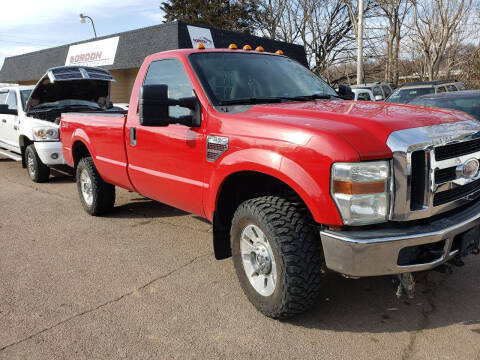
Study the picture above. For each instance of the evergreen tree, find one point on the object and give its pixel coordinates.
(235, 15)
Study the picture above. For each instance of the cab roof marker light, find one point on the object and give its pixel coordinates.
(247, 48)
(259, 49)
(279, 52)
(232, 47)
(200, 46)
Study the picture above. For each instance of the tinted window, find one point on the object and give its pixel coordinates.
(238, 76)
(405, 95)
(451, 88)
(363, 96)
(441, 89)
(3, 97)
(12, 100)
(460, 86)
(386, 90)
(172, 73)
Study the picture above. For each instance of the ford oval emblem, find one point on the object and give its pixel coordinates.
(470, 168)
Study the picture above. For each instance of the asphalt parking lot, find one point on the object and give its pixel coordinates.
(142, 283)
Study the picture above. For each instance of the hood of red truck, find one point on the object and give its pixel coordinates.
(365, 125)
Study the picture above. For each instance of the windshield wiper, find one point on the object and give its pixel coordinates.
(311, 97)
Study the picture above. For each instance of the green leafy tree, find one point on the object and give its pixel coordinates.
(234, 15)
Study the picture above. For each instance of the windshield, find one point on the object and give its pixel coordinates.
(68, 103)
(470, 105)
(232, 77)
(403, 96)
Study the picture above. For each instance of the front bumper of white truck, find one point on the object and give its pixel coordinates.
(402, 248)
(50, 152)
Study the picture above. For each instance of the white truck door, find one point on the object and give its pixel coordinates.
(10, 122)
(3, 119)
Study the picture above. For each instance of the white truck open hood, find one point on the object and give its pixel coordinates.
(71, 83)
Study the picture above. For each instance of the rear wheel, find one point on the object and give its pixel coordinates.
(37, 170)
(277, 256)
(96, 196)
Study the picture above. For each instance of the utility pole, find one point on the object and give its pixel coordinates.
(360, 43)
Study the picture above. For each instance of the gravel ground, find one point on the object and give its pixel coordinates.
(142, 283)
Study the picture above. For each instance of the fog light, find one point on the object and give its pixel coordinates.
(54, 156)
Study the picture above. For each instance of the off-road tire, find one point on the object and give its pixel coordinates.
(296, 248)
(103, 193)
(37, 170)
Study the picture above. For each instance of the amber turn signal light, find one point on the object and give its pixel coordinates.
(358, 188)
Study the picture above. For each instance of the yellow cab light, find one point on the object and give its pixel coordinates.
(200, 46)
(247, 47)
(232, 46)
(279, 52)
(259, 48)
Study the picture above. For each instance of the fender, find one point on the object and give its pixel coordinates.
(79, 135)
(314, 194)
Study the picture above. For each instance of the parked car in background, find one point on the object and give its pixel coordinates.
(467, 101)
(380, 90)
(363, 95)
(29, 125)
(410, 91)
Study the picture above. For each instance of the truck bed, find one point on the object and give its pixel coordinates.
(103, 132)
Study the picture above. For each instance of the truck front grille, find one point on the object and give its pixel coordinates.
(428, 165)
(457, 149)
(471, 190)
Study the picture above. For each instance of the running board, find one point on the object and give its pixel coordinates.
(10, 155)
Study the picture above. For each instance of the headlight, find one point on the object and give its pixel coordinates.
(362, 191)
(45, 134)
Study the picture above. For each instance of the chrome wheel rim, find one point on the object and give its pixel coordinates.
(86, 187)
(31, 165)
(258, 260)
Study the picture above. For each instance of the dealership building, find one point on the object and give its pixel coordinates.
(123, 53)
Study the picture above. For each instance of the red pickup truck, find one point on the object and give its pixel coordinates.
(295, 180)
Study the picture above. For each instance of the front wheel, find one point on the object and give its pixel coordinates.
(97, 196)
(37, 170)
(277, 255)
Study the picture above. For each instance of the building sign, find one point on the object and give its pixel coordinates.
(95, 53)
(200, 35)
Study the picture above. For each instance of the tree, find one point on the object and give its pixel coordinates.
(234, 15)
(435, 22)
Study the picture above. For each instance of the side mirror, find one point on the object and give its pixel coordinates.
(379, 98)
(154, 103)
(6, 111)
(345, 92)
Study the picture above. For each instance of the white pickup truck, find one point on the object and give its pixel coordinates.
(30, 115)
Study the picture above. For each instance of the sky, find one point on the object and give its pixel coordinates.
(30, 25)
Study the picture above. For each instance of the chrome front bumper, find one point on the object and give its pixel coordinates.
(376, 252)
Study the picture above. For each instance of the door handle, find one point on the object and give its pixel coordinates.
(133, 136)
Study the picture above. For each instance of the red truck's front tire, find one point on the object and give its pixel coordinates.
(277, 255)
(96, 196)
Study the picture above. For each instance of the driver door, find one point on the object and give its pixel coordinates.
(8, 122)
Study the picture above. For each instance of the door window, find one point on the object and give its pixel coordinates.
(12, 100)
(386, 90)
(377, 91)
(3, 97)
(363, 96)
(171, 72)
(451, 88)
(441, 89)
